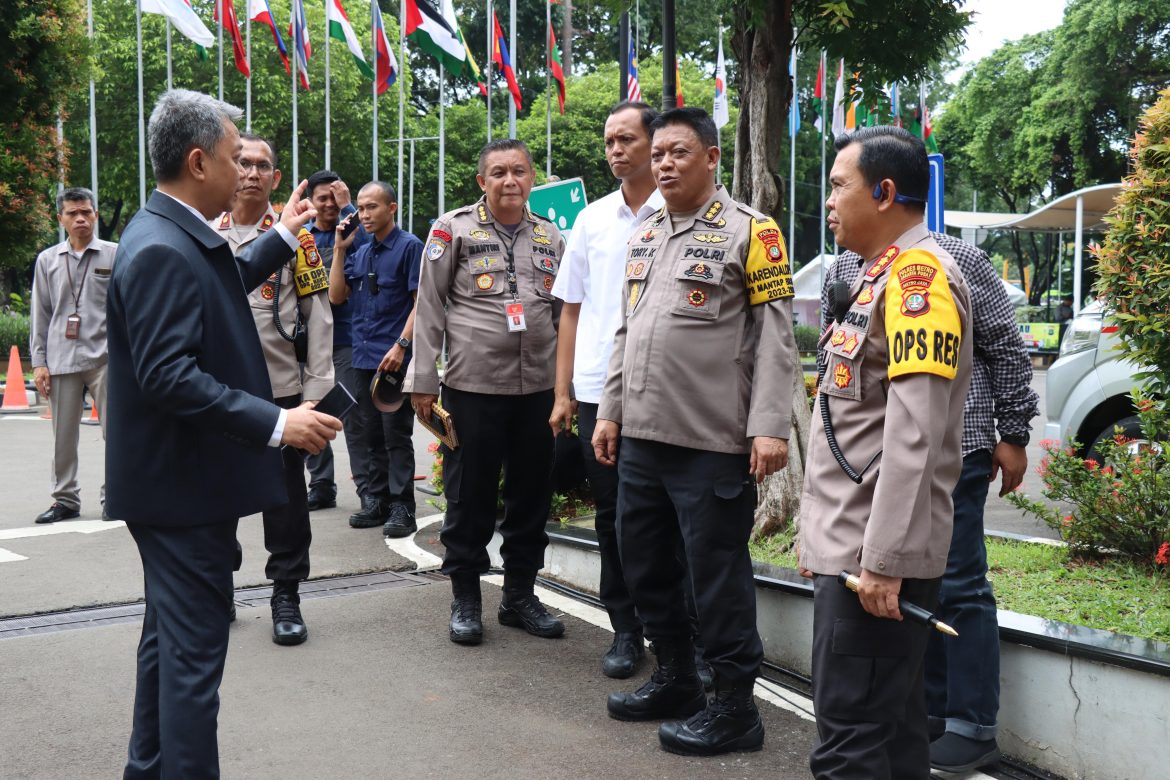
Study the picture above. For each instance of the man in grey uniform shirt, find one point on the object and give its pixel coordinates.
(67, 338)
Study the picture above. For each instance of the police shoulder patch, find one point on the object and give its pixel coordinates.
(922, 321)
(310, 275)
(769, 277)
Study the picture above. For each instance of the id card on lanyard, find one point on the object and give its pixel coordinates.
(514, 311)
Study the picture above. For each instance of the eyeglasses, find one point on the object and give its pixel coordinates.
(261, 166)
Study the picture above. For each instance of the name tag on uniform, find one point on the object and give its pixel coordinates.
(515, 314)
(72, 326)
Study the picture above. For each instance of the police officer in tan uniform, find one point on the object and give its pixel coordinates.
(882, 461)
(295, 325)
(486, 287)
(699, 391)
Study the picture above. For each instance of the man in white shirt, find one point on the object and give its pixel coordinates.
(590, 282)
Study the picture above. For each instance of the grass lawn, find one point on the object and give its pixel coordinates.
(1037, 579)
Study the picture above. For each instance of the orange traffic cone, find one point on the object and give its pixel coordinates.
(93, 414)
(15, 399)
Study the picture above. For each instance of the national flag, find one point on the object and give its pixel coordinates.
(794, 104)
(839, 101)
(427, 28)
(554, 66)
(503, 61)
(633, 90)
(298, 29)
(258, 11)
(819, 95)
(927, 136)
(342, 30)
(719, 111)
(678, 93)
(227, 20)
(183, 17)
(386, 66)
(470, 68)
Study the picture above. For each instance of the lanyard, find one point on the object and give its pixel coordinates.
(84, 273)
(509, 248)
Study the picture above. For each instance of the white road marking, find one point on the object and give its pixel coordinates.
(7, 556)
(64, 527)
(411, 551)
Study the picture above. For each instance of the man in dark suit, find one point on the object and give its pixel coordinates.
(192, 429)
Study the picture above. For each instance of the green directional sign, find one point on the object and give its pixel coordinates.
(560, 202)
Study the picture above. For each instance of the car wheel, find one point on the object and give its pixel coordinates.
(1131, 428)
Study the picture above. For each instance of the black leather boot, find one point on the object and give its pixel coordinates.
(730, 723)
(623, 656)
(373, 513)
(466, 610)
(521, 608)
(288, 627)
(673, 690)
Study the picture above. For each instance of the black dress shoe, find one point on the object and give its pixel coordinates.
(466, 620)
(673, 690)
(954, 753)
(322, 498)
(729, 723)
(526, 612)
(401, 522)
(57, 511)
(372, 514)
(623, 656)
(288, 627)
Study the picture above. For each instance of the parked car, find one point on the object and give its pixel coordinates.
(1089, 386)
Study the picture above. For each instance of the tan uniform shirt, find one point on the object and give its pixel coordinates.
(62, 284)
(465, 294)
(897, 377)
(303, 272)
(705, 356)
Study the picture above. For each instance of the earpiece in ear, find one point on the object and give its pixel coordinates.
(877, 191)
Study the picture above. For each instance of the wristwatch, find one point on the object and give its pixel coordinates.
(403, 342)
(1017, 439)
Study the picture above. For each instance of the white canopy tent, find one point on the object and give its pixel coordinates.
(1077, 213)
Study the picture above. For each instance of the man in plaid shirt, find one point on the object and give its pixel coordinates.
(962, 677)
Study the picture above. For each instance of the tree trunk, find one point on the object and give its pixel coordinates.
(765, 90)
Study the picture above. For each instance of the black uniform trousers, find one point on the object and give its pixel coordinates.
(868, 686)
(386, 439)
(188, 578)
(508, 431)
(321, 468)
(603, 483)
(670, 496)
(287, 532)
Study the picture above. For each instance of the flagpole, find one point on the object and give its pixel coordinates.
(401, 88)
(825, 119)
(60, 166)
(170, 80)
(515, 64)
(294, 70)
(141, 116)
(374, 93)
(328, 121)
(219, 13)
(93, 171)
(548, 88)
(442, 152)
(718, 128)
(248, 81)
(491, 47)
(410, 213)
(792, 175)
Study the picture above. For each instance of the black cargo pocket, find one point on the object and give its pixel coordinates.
(870, 674)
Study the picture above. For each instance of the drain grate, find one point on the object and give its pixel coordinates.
(329, 587)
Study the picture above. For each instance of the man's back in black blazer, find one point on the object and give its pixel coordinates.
(190, 409)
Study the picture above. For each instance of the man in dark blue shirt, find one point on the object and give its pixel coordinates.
(330, 196)
(380, 281)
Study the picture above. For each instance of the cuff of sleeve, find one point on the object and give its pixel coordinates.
(278, 431)
(428, 385)
(772, 425)
(894, 564)
(315, 389)
(609, 410)
(287, 235)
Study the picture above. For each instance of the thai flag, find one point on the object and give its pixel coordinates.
(633, 92)
(299, 31)
(259, 11)
(386, 67)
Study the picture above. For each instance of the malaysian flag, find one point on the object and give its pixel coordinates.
(633, 92)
